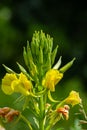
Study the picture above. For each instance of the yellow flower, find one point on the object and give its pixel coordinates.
(51, 79)
(6, 83)
(11, 84)
(73, 98)
(25, 82)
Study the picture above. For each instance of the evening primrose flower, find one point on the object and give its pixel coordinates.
(24, 82)
(11, 83)
(52, 77)
(6, 83)
(73, 98)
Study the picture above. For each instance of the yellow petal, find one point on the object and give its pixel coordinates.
(26, 83)
(51, 79)
(6, 83)
(73, 98)
(19, 88)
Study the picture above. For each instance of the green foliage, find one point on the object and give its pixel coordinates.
(76, 126)
(18, 20)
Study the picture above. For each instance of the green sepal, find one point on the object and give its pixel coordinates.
(29, 53)
(53, 56)
(24, 71)
(8, 69)
(37, 46)
(25, 57)
(45, 46)
(48, 63)
(50, 43)
(33, 46)
(41, 56)
(33, 68)
(36, 42)
(67, 66)
(57, 65)
(51, 98)
(42, 37)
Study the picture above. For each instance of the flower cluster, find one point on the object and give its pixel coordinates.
(37, 83)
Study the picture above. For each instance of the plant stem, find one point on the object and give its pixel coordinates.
(41, 120)
(27, 122)
(48, 127)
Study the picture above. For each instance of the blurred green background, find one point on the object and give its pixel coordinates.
(66, 22)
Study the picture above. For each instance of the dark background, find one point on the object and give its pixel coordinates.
(65, 21)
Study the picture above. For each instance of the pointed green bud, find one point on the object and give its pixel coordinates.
(42, 38)
(37, 42)
(33, 46)
(67, 66)
(49, 60)
(25, 56)
(33, 68)
(29, 54)
(34, 71)
(8, 69)
(21, 68)
(41, 56)
(37, 46)
(50, 43)
(45, 46)
(54, 54)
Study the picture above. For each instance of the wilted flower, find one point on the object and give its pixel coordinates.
(11, 83)
(8, 113)
(11, 114)
(73, 98)
(51, 79)
(64, 111)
